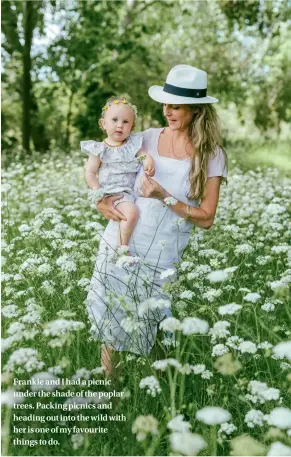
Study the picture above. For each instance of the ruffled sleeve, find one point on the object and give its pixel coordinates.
(217, 164)
(134, 144)
(92, 147)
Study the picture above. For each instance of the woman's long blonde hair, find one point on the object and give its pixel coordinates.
(205, 137)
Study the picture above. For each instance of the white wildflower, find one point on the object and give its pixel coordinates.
(163, 364)
(244, 248)
(168, 273)
(77, 440)
(170, 324)
(252, 297)
(278, 448)
(10, 311)
(152, 304)
(187, 294)
(206, 374)
(9, 398)
(227, 427)
(194, 325)
(283, 350)
(151, 384)
(254, 417)
(247, 347)
(219, 349)
(268, 307)
(177, 424)
(219, 330)
(213, 415)
(280, 417)
(143, 425)
(217, 276)
(260, 392)
(187, 443)
(24, 358)
(199, 368)
(231, 308)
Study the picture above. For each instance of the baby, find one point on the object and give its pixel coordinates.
(113, 163)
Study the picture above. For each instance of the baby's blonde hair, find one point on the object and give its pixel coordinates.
(117, 99)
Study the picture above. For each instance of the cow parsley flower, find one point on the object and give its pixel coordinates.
(163, 364)
(187, 443)
(260, 392)
(254, 417)
(151, 384)
(10, 311)
(187, 294)
(144, 425)
(219, 349)
(168, 273)
(227, 428)
(232, 308)
(213, 415)
(219, 330)
(177, 424)
(247, 347)
(77, 440)
(252, 297)
(218, 276)
(280, 417)
(152, 304)
(278, 448)
(283, 350)
(194, 325)
(170, 324)
(24, 358)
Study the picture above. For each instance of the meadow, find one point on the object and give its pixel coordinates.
(223, 384)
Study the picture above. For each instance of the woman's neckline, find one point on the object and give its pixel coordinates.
(166, 157)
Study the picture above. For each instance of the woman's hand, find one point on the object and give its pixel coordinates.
(107, 209)
(150, 188)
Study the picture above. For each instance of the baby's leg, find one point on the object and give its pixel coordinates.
(130, 211)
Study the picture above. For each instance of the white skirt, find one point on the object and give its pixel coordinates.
(117, 295)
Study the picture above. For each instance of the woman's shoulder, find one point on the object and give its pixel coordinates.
(150, 135)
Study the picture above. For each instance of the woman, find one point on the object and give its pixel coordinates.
(125, 306)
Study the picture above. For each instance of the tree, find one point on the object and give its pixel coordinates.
(19, 21)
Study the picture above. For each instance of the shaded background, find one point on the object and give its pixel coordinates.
(62, 59)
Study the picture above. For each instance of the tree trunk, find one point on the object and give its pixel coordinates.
(68, 121)
(38, 131)
(28, 32)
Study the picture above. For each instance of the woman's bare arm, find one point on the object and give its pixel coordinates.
(203, 216)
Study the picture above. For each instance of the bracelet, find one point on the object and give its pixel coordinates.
(170, 201)
(188, 212)
(95, 195)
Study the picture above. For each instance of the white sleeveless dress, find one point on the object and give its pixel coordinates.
(159, 239)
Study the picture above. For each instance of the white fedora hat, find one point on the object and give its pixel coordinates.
(184, 85)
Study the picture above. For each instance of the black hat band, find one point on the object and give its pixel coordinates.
(194, 93)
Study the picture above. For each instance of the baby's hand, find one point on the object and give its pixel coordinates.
(149, 166)
(150, 171)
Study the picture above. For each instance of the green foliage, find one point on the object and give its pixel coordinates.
(111, 47)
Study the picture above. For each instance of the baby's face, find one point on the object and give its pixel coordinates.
(118, 121)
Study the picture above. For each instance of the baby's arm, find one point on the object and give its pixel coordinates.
(91, 171)
(148, 162)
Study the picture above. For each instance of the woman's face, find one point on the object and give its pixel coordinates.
(179, 117)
